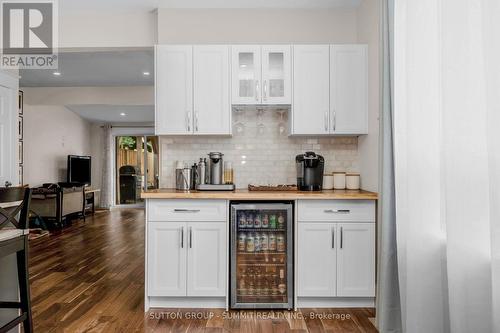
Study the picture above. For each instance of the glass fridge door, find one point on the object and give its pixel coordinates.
(261, 256)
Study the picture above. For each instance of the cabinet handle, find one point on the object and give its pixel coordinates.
(181, 210)
(333, 238)
(326, 121)
(265, 90)
(182, 237)
(334, 120)
(341, 237)
(257, 90)
(338, 211)
(196, 121)
(190, 237)
(188, 121)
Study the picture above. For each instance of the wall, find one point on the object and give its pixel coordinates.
(368, 33)
(106, 28)
(257, 158)
(50, 134)
(256, 25)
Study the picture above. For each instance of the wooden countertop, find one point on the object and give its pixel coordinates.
(243, 194)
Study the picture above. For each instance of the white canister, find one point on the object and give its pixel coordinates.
(339, 180)
(352, 181)
(328, 181)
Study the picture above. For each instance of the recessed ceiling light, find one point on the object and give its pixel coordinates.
(243, 66)
(57, 73)
(146, 73)
(123, 114)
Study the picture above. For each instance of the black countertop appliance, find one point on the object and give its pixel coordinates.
(310, 168)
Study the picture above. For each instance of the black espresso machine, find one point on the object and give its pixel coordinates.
(310, 168)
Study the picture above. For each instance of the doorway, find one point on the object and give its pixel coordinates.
(137, 167)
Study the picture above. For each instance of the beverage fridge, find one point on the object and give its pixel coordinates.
(261, 255)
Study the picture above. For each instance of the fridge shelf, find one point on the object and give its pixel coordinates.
(262, 265)
(261, 253)
(262, 229)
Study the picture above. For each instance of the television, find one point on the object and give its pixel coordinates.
(79, 170)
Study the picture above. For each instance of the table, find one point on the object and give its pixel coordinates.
(89, 199)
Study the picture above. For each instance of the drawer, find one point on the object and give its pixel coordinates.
(180, 210)
(336, 210)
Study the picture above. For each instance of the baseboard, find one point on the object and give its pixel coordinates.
(335, 302)
(187, 302)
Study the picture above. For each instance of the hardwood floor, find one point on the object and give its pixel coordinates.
(90, 278)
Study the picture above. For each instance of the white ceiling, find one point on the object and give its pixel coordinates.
(153, 4)
(111, 113)
(95, 68)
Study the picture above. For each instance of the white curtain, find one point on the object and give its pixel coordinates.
(106, 200)
(447, 164)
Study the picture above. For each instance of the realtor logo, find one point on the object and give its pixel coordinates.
(29, 34)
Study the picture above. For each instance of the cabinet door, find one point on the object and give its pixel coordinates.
(276, 74)
(317, 259)
(349, 89)
(246, 69)
(311, 92)
(174, 89)
(212, 108)
(206, 259)
(356, 259)
(167, 250)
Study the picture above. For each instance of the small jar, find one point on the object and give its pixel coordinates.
(339, 180)
(328, 181)
(352, 181)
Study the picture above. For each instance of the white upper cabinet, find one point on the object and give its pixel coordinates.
(192, 90)
(349, 89)
(212, 108)
(246, 70)
(174, 89)
(276, 74)
(261, 74)
(311, 95)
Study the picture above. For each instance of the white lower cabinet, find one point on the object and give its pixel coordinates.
(335, 258)
(167, 259)
(356, 259)
(187, 258)
(206, 262)
(317, 260)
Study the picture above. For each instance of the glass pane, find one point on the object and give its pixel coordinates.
(246, 74)
(129, 169)
(152, 163)
(276, 74)
(261, 273)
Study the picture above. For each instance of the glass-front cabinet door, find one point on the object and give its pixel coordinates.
(276, 74)
(246, 71)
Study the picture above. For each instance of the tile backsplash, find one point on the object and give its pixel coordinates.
(260, 154)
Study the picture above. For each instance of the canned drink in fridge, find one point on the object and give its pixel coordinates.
(242, 220)
(272, 242)
(257, 243)
(280, 243)
(265, 221)
(257, 221)
(250, 220)
(264, 242)
(281, 221)
(242, 237)
(250, 240)
(272, 221)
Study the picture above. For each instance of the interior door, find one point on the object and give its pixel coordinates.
(246, 73)
(167, 250)
(317, 259)
(174, 89)
(206, 259)
(212, 108)
(276, 74)
(356, 259)
(8, 160)
(349, 89)
(311, 92)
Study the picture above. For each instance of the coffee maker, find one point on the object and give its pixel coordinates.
(310, 169)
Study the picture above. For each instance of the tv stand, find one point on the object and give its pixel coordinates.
(89, 199)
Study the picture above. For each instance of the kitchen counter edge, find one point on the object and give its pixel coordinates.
(243, 194)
